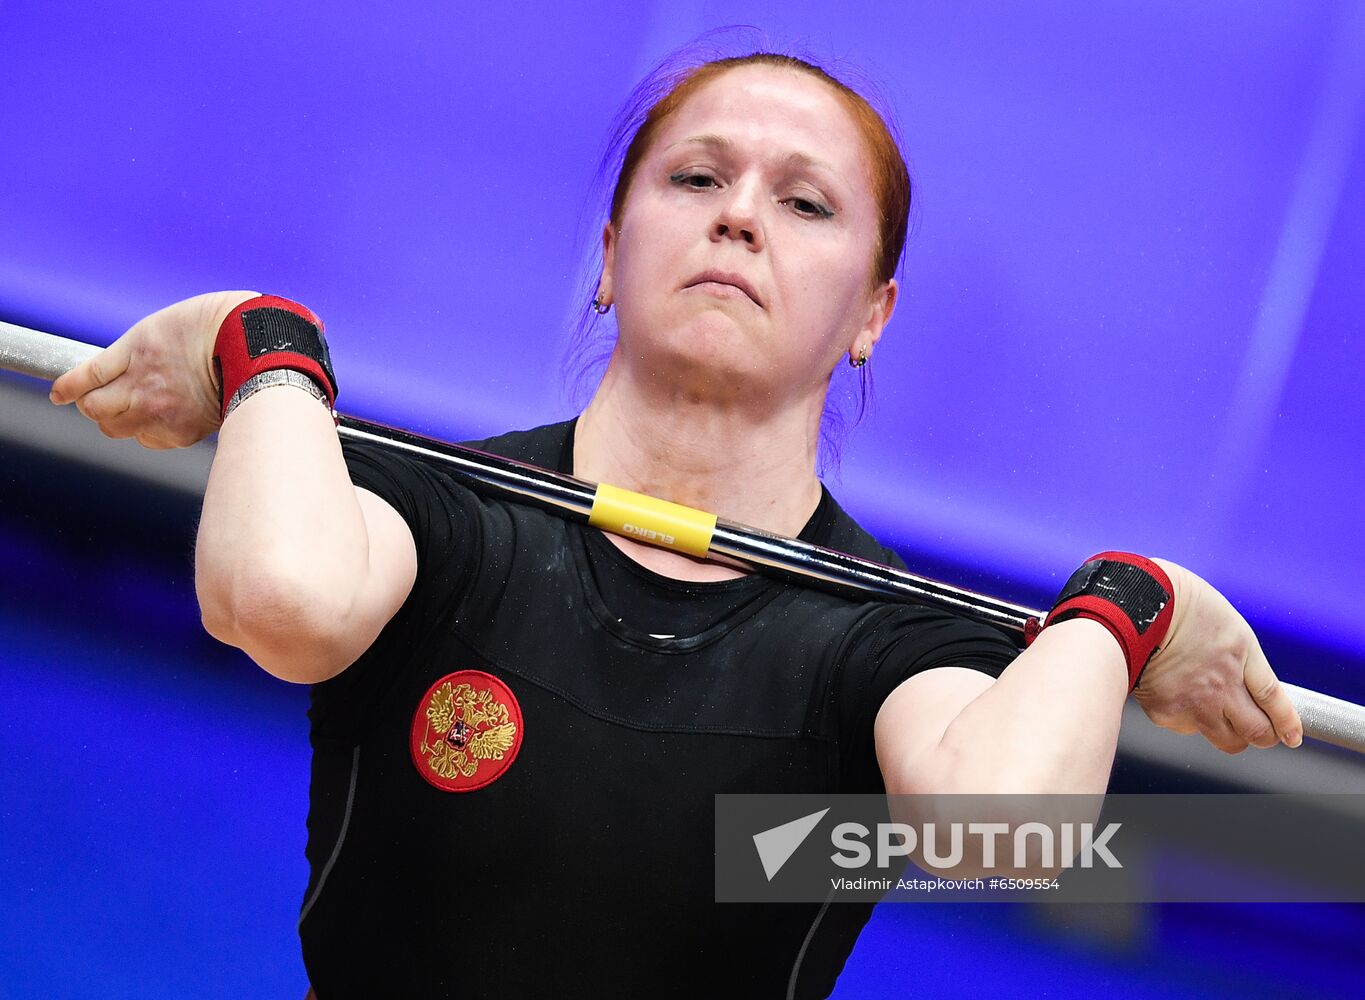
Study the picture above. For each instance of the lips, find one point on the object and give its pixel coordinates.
(727, 278)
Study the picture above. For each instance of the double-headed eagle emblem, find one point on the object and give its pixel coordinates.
(472, 726)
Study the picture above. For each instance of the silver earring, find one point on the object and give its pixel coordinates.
(600, 307)
(862, 358)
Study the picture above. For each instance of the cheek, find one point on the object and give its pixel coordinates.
(821, 288)
(642, 256)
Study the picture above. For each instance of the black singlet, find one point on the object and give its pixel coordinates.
(585, 869)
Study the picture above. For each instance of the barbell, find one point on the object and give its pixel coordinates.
(643, 518)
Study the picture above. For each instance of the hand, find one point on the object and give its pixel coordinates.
(156, 382)
(1211, 677)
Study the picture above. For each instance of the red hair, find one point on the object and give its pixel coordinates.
(889, 176)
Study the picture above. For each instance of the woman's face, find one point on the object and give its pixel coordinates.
(744, 253)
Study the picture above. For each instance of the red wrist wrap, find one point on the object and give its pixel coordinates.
(266, 333)
(1130, 596)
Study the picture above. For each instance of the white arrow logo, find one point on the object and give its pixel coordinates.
(777, 845)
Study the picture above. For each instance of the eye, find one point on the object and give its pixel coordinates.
(700, 182)
(810, 209)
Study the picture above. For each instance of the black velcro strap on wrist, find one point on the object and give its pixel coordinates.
(269, 332)
(1129, 595)
(1129, 587)
(271, 329)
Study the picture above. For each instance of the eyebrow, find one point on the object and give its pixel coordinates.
(724, 145)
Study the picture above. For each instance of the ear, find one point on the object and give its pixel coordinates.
(879, 310)
(604, 285)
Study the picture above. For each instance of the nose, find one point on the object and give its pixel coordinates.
(737, 217)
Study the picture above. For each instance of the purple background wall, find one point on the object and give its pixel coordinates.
(1133, 300)
(1132, 312)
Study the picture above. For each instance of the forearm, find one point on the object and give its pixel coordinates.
(1049, 723)
(282, 541)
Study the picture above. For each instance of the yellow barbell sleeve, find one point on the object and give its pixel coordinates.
(659, 522)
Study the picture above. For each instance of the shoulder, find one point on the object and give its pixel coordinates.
(839, 531)
(457, 531)
(409, 481)
(543, 445)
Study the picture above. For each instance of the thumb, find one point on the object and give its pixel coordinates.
(91, 374)
(1270, 695)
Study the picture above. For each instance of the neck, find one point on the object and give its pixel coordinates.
(752, 467)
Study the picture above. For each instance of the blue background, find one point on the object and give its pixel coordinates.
(1131, 319)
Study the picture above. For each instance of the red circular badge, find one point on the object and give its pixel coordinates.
(466, 732)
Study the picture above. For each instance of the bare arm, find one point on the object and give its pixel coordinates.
(1049, 724)
(293, 564)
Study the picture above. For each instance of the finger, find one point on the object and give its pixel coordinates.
(98, 371)
(129, 423)
(1219, 733)
(117, 432)
(106, 403)
(153, 442)
(1268, 693)
(1249, 722)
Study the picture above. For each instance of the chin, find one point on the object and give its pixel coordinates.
(699, 346)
